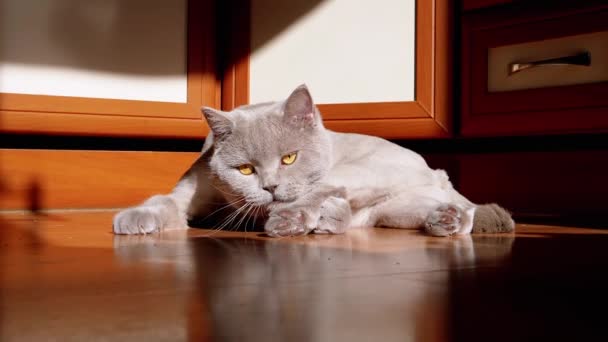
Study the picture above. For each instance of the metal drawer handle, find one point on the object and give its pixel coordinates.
(581, 59)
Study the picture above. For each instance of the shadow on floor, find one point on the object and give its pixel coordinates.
(551, 288)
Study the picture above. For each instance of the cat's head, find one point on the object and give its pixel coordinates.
(270, 152)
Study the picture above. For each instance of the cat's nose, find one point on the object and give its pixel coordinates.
(270, 188)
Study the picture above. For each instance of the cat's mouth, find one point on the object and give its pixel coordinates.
(275, 203)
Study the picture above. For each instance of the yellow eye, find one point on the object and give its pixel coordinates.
(246, 169)
(288, 159)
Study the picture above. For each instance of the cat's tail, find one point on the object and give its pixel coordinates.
(491, 218)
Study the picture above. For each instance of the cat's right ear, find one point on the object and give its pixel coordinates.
(299, 109)
(218, 121)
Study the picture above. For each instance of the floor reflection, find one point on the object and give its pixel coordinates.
(68, 278)
(352, 287)
(306, 292)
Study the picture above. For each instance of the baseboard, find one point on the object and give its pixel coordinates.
(57, 179)
(540, 186)
(537, 186)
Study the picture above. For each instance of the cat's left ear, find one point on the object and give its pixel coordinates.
(299, 109)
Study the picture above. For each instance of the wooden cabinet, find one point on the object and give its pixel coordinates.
(532, 69)
(392, 62)
(395, 63)
(143, 42)
(427, 114)
(534, 108)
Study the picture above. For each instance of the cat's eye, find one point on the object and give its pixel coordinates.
(288, 159)
(246, 169)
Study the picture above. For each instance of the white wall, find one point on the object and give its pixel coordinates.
(119, 49)
(346, 51)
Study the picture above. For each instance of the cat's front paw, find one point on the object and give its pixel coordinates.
(335, 216)
(287, 222)
(138, 220)
(444, 221)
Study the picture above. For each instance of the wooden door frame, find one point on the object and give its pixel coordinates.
(67, 115)
(428, 116)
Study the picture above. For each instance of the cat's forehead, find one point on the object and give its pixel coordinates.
(261, 134)
(267, 134)
(264, 108)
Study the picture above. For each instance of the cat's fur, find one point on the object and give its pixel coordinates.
(338, 180)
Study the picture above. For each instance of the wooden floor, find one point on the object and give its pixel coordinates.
(64, 276)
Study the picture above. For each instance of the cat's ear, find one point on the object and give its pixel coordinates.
(299, 109)
(218, 121)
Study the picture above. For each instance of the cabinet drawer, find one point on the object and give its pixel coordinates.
(579, 59)
(535, 71)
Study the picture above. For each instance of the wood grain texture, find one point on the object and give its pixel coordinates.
(431, 112)
(86, 105)
(204, 82)
(443, 56)
(376, 110)
(425, 54)
(77, 281)
(87, 179)
(101, 125)
(414, 128)
(555, 186)
(235, 46)
(560, 185)
(20, 110)
(565, 109)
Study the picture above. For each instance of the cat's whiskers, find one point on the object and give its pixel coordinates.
(227, 220)
(225, 206)
(253, 207)
(254, 216)
(230, 219)
(245, 215)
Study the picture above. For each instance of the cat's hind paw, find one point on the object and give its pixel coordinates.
(138, 220)
(444, 221)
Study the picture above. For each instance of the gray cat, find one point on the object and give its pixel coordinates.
(277, 162)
